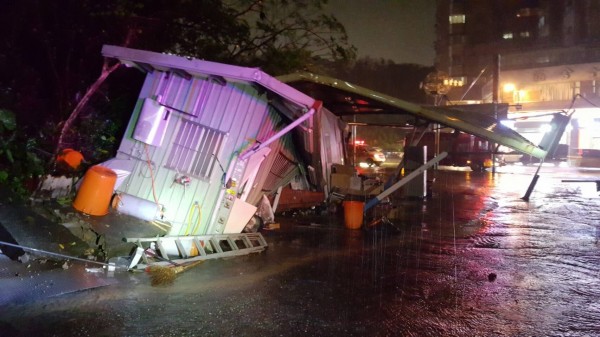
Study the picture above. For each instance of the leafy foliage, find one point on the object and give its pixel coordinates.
(19, 165)
(294, 31)
(7, 127)
(50, 60)
(397, 80)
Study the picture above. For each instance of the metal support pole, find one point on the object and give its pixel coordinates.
(495, 99)
(536, 176)
(277, 197)
(404, 180)
(278, 135)
(45, 252)
(415, 139)
(549, 142)
(496, 79)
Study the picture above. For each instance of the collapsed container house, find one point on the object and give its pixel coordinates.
(207, 141)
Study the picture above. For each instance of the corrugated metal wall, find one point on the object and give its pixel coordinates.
(235, 110)
(283, 164)
(331, 143)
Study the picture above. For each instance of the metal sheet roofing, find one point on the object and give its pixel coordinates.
(185, 66)
(346, 100)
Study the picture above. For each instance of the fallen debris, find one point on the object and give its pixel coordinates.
(272, 226)
(44, 252)
(163, 276)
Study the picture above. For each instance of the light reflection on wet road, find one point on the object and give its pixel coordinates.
(474, 260)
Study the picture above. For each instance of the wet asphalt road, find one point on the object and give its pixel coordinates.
(474, 260)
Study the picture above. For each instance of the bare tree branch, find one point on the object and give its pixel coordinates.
(107, 69)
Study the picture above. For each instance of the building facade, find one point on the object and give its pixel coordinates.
(545, 54)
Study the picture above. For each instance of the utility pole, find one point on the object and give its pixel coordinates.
(436, 84)
(495, 99)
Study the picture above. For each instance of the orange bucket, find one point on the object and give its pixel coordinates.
(353, 214)
(96, 189)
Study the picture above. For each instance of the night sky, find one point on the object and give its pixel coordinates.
(398, 30)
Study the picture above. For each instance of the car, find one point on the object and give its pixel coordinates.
(366, 154)
(509, 158)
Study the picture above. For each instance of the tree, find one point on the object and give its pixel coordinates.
(18, 165)
(386, 76)
(397, 80)
(50, 73)
(290, 35)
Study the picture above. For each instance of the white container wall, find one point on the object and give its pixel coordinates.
(213, 124)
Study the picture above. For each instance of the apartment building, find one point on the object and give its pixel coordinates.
(545, 54)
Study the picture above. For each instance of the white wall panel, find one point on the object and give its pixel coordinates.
(235, 109)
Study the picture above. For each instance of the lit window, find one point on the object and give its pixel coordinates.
(507, 36)
(524, 34)
(457, 18)
(195, 149)
(455, 81)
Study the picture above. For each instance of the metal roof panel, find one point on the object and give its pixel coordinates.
(196, 67)
(344, 99)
